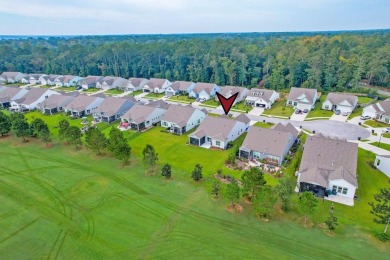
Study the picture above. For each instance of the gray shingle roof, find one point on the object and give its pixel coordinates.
(267, 141)
(265, 94)
(159, 103)
(243, 118)
(296, 92)
(181, 85)
(136, 81)
(10, 92)
(203, 86)
(179, 114)
(382, 107)
(156, 83)
(215, 127)
(138, 113)
(111, 105)
(327, 159)
(287, 128)
(337, 98)
(228, 91)
(32, 95)
(56, 100)
(81, 102)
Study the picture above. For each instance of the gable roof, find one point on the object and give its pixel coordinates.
(91, 80)
(243, 118)
(327, 159)
(287, 128)
(9, 74)
(136, 82)
(159, 103)
(215, 127)
(179, 114)
(56, 100)
(199, 86)
(266, 140)
(337, 98)
(10, 92)
(156, 83)
(31, 96)
(111, 105)
(295, 93)
(382, 107)
(258, 93)
(81, 102)
(138, 113)
(228, 91)
(181, 85)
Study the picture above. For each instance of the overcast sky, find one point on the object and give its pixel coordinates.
(71, 17)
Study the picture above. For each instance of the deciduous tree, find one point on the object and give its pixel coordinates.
(96, 140)
(5, 124)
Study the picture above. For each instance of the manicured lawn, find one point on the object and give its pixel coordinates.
(135, 93)
(374, 123)
(91, 90)
(66, 89)
(61, 203)
(357, 112)
(242, 106)
(114, 91)
(264, 125)
(214, 115)
(154, 95)
(317, 111)
(182, 99)
(364, 100)
(381, 145)
(211, 102)
(386, 135)
(279, 109)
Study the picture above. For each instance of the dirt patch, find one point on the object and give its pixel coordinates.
(248, 201)
(235, 208)
(226, 181)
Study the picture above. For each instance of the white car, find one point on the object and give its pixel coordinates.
(365, 117)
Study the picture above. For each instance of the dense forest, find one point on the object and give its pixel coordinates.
(329, 60)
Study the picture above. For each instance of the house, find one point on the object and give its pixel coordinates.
(216, 132)
(25, 79)
(156, 85)
(229, 91)
(109, 82)
(90, 82)
(179, 87)
(67, 81)
(11, 77)
(83, 105)
(265, 144)
(302, 98)
(180, 119)
(135, 84)
(287, 128)
(261, 97)
(245, 119)
(9, 94)
(112, 109)
(328, 169)
(34, 79)
(382, 163)
(204, 91)
(343, 102)
(141, 117)
(160, 104)
(32, 99)
(379, 111)
(57, 103)
(49, 80)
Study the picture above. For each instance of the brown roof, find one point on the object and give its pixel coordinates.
(136, 81)
(181, 85)
(138, 113)
(81, 102)
(179, 114)
(297, 92)
(156, 83)
(56, 100)
(337, 98)
(326, 159)
(382, 107)
(203, 86)
(267, 141)
(243, 118)
(215, 127)
(159, 103)
(228, 91)
(111, 105)
(287, 128)
(32, 95)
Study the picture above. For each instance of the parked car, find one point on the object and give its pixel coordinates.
(365, 117)
(298, 111)
(79, 87)
(345, 113)
(387, 130)
(337, 112)
(306, 110)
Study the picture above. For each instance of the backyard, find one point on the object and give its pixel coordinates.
(364, 100)
(279, 109)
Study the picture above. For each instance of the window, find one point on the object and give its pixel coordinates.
(218, 143)
(289, 102)
(326, 107)
(339, 189)
(345, 191)
(378, 162)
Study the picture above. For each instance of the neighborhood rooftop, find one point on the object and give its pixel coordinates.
(215, 127)
(296, 93)
(337, 98)
(179, 114)
(287, 128)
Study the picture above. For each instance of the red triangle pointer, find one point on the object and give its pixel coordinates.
(227, 103)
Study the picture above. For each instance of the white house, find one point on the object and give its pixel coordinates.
(328, 169)
(83, 105)
(156, 85)
(32, 99)
(90, 82)
(109, 82)
(180, 87)
(343, 102)
(379, 111)
(141, 117)
(204, 91)
(302, 98)
(261, 97)
(216, 132)
(35, 78)
(11, 77)
(382, 163)
(25, 79)
(228, 91)
(49, 80)
(9, 94)
(135, 84)
(67, 81)
(56, 103)
(180, 119)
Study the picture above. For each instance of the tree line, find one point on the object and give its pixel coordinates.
(326, 61)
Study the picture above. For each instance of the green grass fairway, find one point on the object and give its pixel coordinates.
(57, 203)
(279, 109)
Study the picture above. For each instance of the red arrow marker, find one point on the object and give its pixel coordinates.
(227, 103)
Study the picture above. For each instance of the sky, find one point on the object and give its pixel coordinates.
(91, 17)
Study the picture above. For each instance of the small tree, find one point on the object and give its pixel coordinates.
(285, 189)
(96, 140)
(264, 201)
(150, 155)
(122, 152)
(331, 222)
(232, 192)
(19, 126)
(41, 130)
(5, 124)
(215, 188)
(64, 126)
(381, 210)
(197, 172)
(307, 203)
(166, 171)
(73, 136)
(252, 181)
(115, 138)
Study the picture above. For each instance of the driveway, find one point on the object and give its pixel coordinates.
(298, 117)
(256, 111)
(339, 118)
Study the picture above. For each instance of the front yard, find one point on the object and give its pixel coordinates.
(242, 106)
(182, 99)
(66, 89)
(210, 103)
(374, 123)
(135, 93)
(357, 112)
(91, 90)
(318, 111)
(114, 91)
(381, 145)
(154, 95)
(279, 109)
